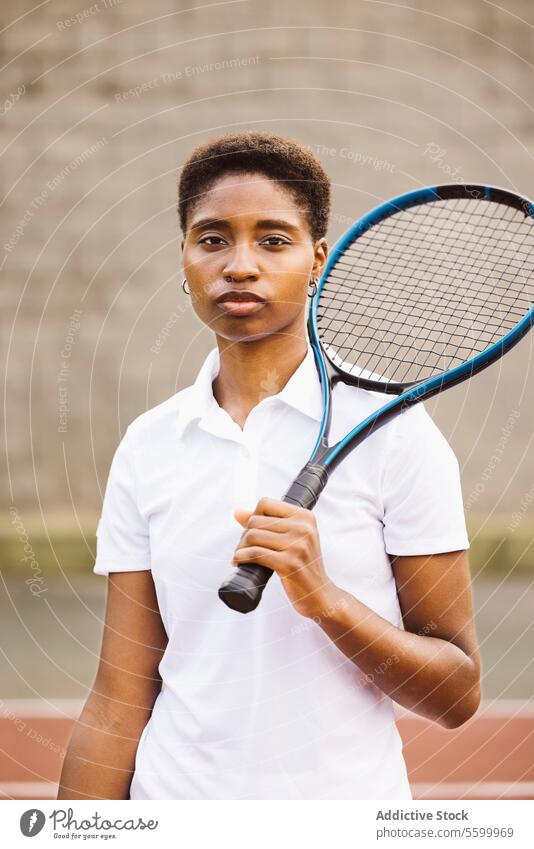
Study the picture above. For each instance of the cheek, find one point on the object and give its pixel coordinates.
(292, 300)
(293, 287)
(202, 274)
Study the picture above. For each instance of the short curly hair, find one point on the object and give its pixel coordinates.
(283, 160)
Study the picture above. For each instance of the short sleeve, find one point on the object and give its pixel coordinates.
(122, 537)
(422, 494)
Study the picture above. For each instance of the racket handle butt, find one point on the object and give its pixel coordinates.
(243, 590)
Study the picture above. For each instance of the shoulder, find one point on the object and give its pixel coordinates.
(357, 399)
(413, 430)
(417, 425)
(365, 401)
(157, 426)
(416, 438)
(352, 405)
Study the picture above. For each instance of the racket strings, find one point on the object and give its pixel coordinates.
(428, 288)
(411, 297)
(484, 294)
(464, 351)
(407, 274)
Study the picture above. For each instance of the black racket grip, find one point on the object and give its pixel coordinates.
(243, 590)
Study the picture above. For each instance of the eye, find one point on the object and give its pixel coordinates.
(275, 241)
(211, 240)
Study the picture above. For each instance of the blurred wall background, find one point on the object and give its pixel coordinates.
(101, 104)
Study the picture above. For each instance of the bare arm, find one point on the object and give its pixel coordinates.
(433, 666)
(100, 760)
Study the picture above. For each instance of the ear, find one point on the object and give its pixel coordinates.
(320, 255)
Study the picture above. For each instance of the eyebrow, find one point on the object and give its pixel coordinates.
(264, 224)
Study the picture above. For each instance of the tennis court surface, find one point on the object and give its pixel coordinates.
(490, 757)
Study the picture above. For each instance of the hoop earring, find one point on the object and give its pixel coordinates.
(312, 294)
(184, 284)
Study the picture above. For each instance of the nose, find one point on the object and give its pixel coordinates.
(241, 263)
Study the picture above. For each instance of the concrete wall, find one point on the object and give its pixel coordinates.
(102, 103)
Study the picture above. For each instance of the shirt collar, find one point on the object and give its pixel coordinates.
(302, 392)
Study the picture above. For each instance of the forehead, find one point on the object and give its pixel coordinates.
(247, 197)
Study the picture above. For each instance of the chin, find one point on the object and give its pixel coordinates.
(254, 327)
(243, 334)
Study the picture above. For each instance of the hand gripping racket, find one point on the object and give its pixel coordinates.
(419, 295)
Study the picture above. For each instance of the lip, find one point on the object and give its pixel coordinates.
(240, 302)
(239, 295)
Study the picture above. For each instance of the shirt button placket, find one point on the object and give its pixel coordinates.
(245, 476)
(247, 468)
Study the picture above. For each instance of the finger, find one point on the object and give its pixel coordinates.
(269, 523)
(274, 507)
(264, 539)
(259, 555)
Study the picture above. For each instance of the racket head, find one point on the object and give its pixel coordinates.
(431, 286)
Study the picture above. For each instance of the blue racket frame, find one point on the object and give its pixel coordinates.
(242, 591)
(406, 394)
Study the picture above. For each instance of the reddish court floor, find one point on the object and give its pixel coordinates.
(490, 757)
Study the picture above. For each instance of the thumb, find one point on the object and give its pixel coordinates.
(242, 516)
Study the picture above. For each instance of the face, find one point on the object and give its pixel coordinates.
(249, 258)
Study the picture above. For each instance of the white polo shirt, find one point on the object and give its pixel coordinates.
(263, 705)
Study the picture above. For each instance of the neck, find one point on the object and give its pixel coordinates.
(251, 371)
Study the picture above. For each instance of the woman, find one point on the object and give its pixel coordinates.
(371, 603)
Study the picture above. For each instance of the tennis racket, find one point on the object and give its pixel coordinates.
(420, 294)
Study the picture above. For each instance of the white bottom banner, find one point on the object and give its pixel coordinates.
(264, 825)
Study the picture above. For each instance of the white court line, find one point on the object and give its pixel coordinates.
(484, 790)
(49, 709)
(490, 709)
(59, 708)
(447, 790)
(29, 789)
